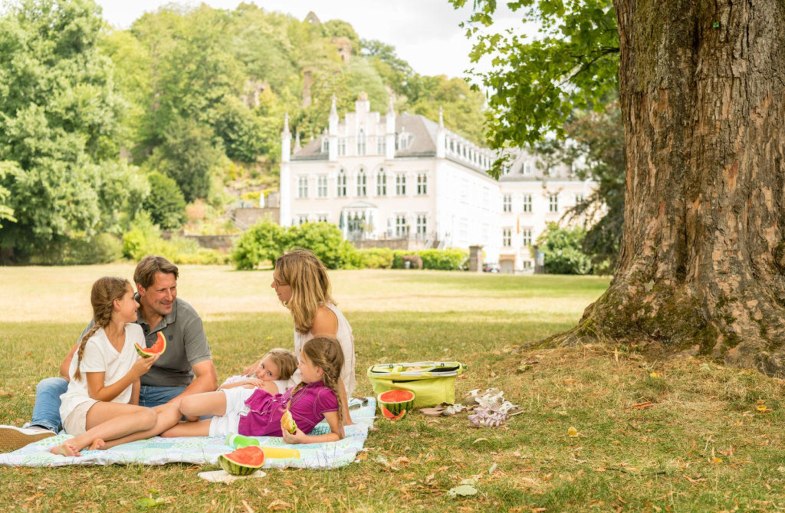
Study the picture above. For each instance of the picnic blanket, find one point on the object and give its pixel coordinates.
(205, 450)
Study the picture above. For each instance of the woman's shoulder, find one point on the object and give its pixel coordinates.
(325, 322)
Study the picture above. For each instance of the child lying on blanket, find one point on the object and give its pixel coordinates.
(257, 412)
(272, 373)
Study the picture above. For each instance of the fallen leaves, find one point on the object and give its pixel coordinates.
(278, 505)
(572, 432)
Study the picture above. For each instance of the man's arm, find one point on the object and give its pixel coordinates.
(205, 379)
(66, 365)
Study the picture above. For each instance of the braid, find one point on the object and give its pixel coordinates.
(102, 296)
(82, 344)
(326, 353)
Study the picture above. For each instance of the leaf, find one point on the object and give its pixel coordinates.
(149, 502)
(6, 393)
(572, 432)
(278, 505)
(655, 375)
(464, 490)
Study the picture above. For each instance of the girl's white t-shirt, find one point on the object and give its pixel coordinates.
(100, 356)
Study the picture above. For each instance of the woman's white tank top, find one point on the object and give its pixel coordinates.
(345, 338)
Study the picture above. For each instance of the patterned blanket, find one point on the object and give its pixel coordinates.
(204, 450)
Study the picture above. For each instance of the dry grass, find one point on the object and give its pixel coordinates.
(652, 435)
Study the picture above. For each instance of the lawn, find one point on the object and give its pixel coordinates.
(648, 434)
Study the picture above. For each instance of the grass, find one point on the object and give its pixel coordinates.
(677, 434)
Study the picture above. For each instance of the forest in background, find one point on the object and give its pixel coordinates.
(170, 122)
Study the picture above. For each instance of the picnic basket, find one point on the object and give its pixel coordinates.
(432, 382)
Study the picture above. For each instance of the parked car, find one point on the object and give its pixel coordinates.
(490, 267)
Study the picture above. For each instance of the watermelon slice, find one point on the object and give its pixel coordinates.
(395, 403)
(242, 462)
(158, 348)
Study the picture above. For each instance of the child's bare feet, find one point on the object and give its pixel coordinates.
(97, 445)
(65, 449)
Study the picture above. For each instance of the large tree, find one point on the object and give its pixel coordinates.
(702, 262)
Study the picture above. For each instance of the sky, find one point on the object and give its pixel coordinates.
(425, 33)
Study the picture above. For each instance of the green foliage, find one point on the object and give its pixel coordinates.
(101, 249)
(189, 156)
(372, 258)
(535, 85)
(324, 239)
(145, 239)
(443, 259)
(259, 245)
(599, 144)
(165, 203)
(58, 118)
(6, 211)
(562, 248)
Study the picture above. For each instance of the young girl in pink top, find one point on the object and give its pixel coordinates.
(256, 412)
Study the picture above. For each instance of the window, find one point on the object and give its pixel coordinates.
(422, 184)
(361, 184)
(527, 168)
(527, 265)
(302, 186)
(553, 203)
(325, 145)
(341, 184)
(579, 198)
(400, 184)
(422, 225)
(341, 146)
(321, 186)
(527, 203)
(361, 142)
(506, 237)
(401, 228)
(321, 218)
(301, 219)
(381, 145)
(381, 183)
(507, 203)
(526, 235)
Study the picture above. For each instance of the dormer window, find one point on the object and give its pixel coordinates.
(404, 140)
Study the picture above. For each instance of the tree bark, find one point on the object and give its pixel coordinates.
(702, 88)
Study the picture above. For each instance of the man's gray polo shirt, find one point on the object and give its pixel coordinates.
(186, 345)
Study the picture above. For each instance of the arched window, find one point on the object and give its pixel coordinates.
(361, 142)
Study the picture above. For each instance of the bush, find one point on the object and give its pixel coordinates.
(101, 249)
(443, 259)
(145, 239)
(372, 258)
(165, 203)
(562, 249)
(326, 242)
(262, 243)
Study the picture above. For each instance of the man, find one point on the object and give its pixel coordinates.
(185, 368)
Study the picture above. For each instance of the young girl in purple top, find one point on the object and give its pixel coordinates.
(256, 412)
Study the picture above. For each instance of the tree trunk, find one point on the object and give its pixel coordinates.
(702, 87)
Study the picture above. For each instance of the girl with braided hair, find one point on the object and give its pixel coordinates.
(100, 404)
(256, 412)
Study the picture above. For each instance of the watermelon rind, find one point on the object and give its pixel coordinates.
(396, 400)
(230, 464)
(147, 352)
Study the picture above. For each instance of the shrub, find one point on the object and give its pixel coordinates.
(443, 259)
(562, 249)
(372, 258)
(101, 249)
(145, 239)
(325, 240)
(262, 243)
(165, 203)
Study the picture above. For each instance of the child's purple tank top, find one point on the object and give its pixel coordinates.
(308, 407)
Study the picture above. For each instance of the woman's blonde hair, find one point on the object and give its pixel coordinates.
(307, 276)
(326, 353)
(102, 296)
(285, 360)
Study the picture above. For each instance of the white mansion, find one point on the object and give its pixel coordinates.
(405, 178)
